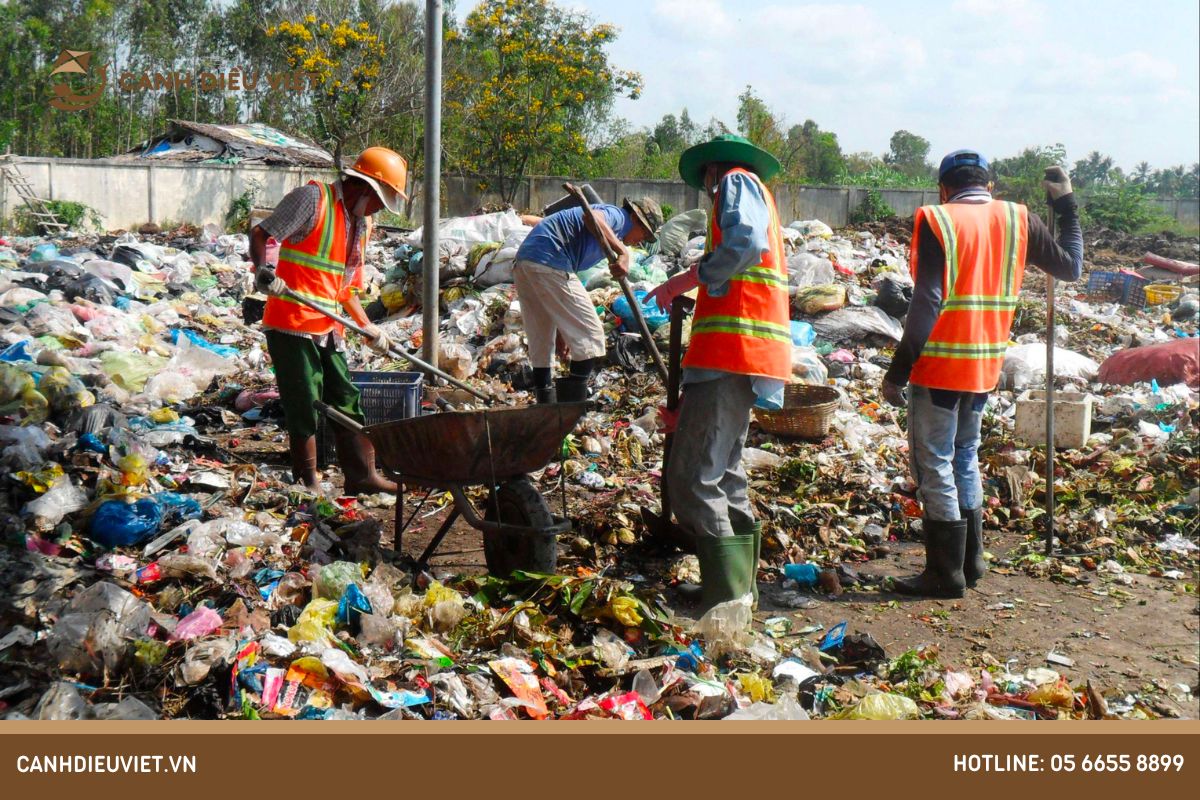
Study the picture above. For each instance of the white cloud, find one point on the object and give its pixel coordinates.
(698, 19)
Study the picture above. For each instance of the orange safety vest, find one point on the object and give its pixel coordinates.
(985, 246)
(315, 269)
(747, 331)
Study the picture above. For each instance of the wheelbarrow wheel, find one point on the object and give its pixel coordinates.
(518, 502)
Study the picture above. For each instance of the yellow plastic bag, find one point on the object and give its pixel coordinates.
(756, 687)
(878, 705)
(315, 623)
(1053, 694)
(437, 593)
(625, 610)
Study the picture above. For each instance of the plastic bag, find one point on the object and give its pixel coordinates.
(808, 368)
(456, 359)
(802, 333)
(331, 580)
(820, 298)
(725, 627)
(894, 295)
(494, 227)
(130, 708)
(1025, 365)
(62, 701)
(673, 236)
(198, 624)
(650, 311)
(812, 227)
(878, 705)
(201, 657)
(315, 624)
(117, 523)
(130, 369)
(808, 269)
(63, 498)
(754, 458)
(858, 323)
(97, 629)
(785, 709)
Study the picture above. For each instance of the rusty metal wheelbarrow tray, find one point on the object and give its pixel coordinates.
(474, 447)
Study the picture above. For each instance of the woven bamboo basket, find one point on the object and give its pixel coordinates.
(806, 414)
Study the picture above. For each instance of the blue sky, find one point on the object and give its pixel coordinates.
(998, 75)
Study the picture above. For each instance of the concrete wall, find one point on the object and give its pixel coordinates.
(127, 194)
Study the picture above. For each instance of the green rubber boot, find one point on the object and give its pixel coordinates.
(726, 567)
(754, 531)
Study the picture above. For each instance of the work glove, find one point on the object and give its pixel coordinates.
(668, 420)
(1057, 182)
(377, 340)
(682, 283)
(894, 394)
(265, 280)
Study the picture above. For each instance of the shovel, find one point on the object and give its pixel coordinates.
(634, 306)
(1052, 224)
(394, 352)
(660, 525)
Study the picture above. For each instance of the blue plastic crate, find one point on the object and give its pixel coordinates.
(1104, 285)
(1134, 292)
(386, 396)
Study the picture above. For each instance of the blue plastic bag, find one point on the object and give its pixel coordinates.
(17, 352)
(654, 318)
(178, 508)
(225, 351)
(119, 524)
(352, 605)
(802, 333)
(44, 252)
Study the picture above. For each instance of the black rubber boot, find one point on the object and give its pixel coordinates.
(304, 462)
(544, 394)
(726, 572)
(974, 564)
(945, 544)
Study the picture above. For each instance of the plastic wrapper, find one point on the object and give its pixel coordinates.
(338, 663)
(97, 630)
(456, 359)
(186, 565)
(808, 269)
(130, 708)
(201, 657)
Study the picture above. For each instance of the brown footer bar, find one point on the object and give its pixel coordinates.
(373, 761)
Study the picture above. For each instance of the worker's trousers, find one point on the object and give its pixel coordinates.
(705, 474)
(943, 448)
(306, 372)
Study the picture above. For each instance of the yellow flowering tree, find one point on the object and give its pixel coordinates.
(534, 86)
(344, 60)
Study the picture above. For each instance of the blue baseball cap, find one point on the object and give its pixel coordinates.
(962, 158)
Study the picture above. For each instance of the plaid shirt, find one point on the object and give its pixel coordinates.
(294, 219)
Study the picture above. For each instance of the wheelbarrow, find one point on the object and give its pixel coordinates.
(497, 448)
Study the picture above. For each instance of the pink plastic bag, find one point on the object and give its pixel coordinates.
(200, 622)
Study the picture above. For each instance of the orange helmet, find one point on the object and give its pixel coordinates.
(387, 173)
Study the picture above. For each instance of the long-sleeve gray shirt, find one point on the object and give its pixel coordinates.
(1062, 259)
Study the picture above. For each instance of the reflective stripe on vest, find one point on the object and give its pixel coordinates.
(747, 330)
(315, 269)
(985, 246)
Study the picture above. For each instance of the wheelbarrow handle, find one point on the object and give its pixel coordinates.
(635, 307)
(338, 416)
(394, 352)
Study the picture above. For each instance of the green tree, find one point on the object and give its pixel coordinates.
(1122, 206)
(813, 155)
(758, 124)
(1019, 178)
(536, 83)
(1094, 170)
(909, 153)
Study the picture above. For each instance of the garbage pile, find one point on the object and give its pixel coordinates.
(158, 563)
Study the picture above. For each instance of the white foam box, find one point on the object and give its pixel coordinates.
(1072, 419)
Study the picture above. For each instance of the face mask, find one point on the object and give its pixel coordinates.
(360, 207)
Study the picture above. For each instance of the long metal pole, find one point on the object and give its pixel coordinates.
(1050, 399)
(433, 177)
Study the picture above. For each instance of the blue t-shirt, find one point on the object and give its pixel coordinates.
(563, 242)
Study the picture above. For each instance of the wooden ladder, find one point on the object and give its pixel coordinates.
(44, 217)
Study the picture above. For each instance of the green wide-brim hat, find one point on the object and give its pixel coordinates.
(727, 147)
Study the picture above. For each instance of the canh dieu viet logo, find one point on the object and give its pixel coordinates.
(75, 62)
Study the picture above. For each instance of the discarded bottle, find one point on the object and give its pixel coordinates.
(803, 574)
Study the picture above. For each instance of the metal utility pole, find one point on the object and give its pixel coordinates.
(1050, 337)
(433, 177)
